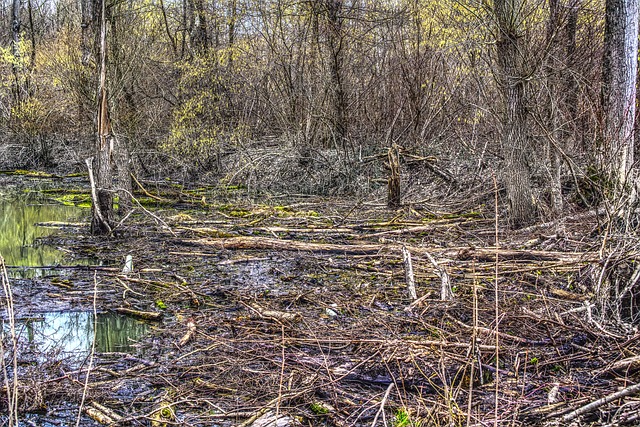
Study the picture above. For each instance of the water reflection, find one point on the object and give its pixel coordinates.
(69, 335)
(19, 234)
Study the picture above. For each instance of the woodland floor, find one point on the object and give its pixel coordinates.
(299, 308)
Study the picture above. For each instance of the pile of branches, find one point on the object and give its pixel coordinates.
(348, 320)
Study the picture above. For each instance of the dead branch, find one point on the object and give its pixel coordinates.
(628, 391)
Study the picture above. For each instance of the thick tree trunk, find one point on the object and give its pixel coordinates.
(199, 35)
(516, 174)
(620, 65)
(336, 53)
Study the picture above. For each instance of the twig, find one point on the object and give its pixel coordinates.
(144, 190)
(382, 403)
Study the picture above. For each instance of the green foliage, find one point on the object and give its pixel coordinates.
(318, 408)
(203, 122)
(403, 419)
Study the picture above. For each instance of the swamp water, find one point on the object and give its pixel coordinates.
(19, 233)
(53, 335)
(69, 335)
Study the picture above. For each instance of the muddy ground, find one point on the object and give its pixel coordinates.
(299, 308)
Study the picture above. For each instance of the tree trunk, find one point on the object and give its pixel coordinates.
(516, 174)
(555, 141)
(102, 218)
(336, 39)
(124, 107)
(620, 64)
(199, 35)
(233, 16)
(570, 83)
(394, 195)
(16, 25)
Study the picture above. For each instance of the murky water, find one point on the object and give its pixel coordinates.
(19, 234)
(69, 335)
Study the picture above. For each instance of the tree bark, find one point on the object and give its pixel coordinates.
(102, 218)
(199, 35)
(516, 173)
(555, 106)
(336, 53)
(620, 65)
(124, 107)
(16, 25)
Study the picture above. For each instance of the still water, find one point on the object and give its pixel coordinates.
(19, 234)
(69, 335)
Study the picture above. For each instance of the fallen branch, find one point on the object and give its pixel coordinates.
(191, 330)
(446, 293)
(147, 315)
(267, 243)
(628, 391)
(408, 273)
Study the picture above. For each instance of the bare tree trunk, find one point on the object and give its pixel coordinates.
(555, 106)
(233, 11)
(120, 149)
(620, 65)
(394, 195)
(102, 217)
(571, 84)
(16, 25)
(199, 35)
(336, 54)
(516, 174)
(87, 30)
(167, 30)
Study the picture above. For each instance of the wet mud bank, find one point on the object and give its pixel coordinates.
(305, 312)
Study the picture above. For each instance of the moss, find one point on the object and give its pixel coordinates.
(81, 200)
(28, 173)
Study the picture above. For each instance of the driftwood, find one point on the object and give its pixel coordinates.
(146, 315)
(267, 243)
(273, 314)
(408, 273)
(102, 414)
(191, 330)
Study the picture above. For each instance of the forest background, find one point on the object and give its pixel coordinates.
(311, 96)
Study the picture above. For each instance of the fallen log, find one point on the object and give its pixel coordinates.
(367, 248)
(268, 243)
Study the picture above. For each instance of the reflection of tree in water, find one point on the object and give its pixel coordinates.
(18, 216)
(117, 333)
(60, 333)
(71, 333)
